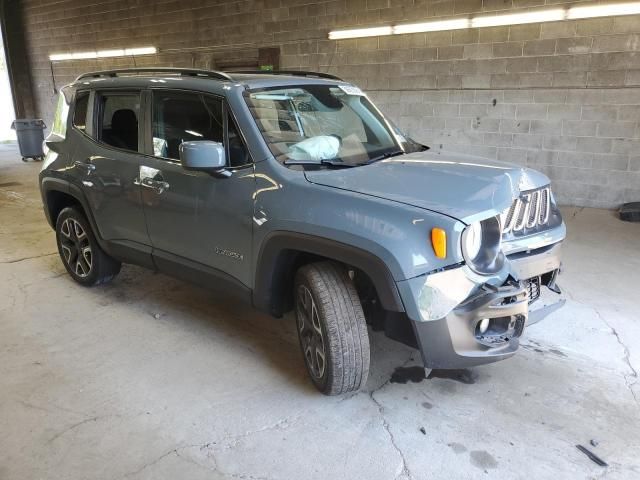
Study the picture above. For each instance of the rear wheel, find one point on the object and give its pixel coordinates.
(331, 328)
(81, 255)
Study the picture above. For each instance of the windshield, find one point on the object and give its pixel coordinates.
(331, 124)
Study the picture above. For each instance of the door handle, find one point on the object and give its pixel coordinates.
(158, 185)
(88, 167)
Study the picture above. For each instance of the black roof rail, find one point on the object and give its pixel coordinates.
(187, 72)
(295, 73)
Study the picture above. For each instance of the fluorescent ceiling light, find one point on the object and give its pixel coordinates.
(56, 57)
(436, 26)
(518, 18)
(593, 11)
(481, 21)
(360, 32)
(141, 51)
(110, 53)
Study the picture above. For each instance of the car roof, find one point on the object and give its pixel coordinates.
(193, 78)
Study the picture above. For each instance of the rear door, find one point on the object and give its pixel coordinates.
(108, 161)
(195, 219)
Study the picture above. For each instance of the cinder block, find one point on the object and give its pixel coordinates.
(606, 79)
(507, 49)
(458, 123)
(522, 64)
(575, 159)
(524, 32)
(448, 81)
(518, 96)
(538, 158)
(557, 142)
(594, 145)
(617, 129)
(629, 112)
(513, 155)
(476, 81)
(528, 80)
(493, 34)
(570, 79)
(617, 43)
(508, 125)
(626, 146)
(539, 47)
(473, 110)
(485, 124)
(579, 128)
(594, 26)
(466, 36)
(574, 45)
(554, 95)
(606, 161)
(558, 29)
(564, 112)
(526, 140)
(531, 111)
(498, 139)
(621, 96)
(481, 50)
(453, 51)
(545, 126)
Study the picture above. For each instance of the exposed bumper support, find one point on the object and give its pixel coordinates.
(447, 309)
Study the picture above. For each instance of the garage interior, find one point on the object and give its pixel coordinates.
(150, 377)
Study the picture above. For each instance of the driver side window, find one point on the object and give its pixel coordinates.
(181, 117)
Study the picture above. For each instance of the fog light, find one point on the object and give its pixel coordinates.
(484, 325)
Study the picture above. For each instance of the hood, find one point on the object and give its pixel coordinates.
(464, 187)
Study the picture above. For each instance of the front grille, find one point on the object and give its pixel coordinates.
(533, 289)
(530, 210)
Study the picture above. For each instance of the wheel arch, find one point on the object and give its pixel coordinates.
(282, 253)
(58, 194)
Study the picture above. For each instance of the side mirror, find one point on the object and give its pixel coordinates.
(206, 156)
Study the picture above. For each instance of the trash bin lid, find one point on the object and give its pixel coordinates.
(21, 123)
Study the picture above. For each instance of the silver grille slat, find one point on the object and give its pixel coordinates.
(529, 211)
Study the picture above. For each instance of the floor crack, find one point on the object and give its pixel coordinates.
(626, 358)
(18, 260)
(385, 424)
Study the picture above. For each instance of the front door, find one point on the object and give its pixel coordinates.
(195, 219)
(107, 162)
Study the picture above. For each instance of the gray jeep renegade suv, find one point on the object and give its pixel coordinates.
(293, 191)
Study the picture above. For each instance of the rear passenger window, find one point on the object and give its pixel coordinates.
(119, 117)
(182, 117)
(80, 111)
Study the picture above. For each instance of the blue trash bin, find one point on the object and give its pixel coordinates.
(30, 133)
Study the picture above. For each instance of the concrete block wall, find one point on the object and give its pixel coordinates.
(562, 97)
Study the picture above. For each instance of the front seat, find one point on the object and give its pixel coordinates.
(124, 130)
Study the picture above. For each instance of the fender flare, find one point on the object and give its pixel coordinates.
(53, 184)
(273, 260)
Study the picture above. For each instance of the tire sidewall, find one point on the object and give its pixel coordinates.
(74, 214)
(320, 383)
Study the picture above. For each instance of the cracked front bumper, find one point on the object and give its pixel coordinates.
(447, 308)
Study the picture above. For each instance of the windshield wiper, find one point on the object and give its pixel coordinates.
(331, 163)
(395, 153)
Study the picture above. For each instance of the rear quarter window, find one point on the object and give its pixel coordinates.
(80, 109)
(59, 126)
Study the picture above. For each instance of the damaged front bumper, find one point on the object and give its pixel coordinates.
(461, 319)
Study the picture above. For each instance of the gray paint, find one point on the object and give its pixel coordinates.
(388, 208)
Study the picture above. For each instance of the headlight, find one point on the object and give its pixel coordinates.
(482, 246)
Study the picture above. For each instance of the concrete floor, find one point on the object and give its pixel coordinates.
(151, 378)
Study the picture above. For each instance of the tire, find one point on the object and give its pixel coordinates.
(80, 252)
(338, 328)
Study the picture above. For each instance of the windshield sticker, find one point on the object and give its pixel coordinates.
(351, 90)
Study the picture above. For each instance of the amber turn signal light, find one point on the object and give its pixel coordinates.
(439, 242)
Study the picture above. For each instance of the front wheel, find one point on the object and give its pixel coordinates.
(83, 258)
(331, 328)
